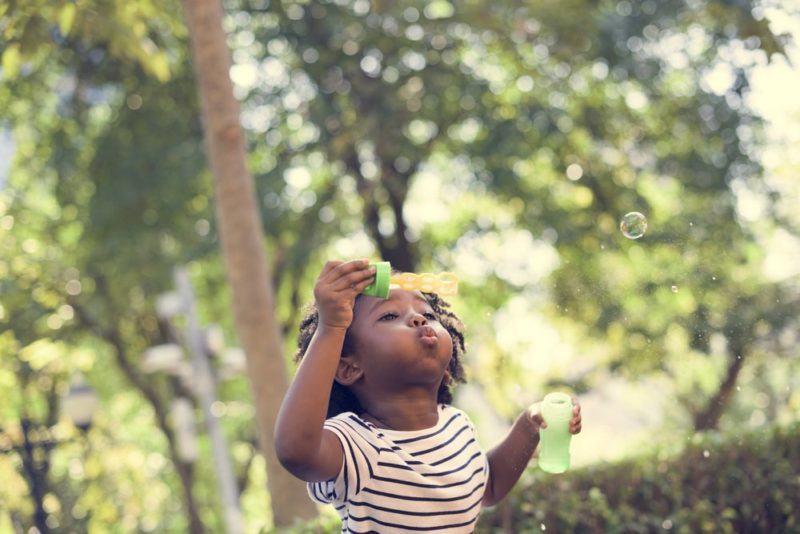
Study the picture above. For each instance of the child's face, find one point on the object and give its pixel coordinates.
(399, 341)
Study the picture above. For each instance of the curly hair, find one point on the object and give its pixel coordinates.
(342, 399)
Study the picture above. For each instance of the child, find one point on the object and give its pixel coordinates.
(367, 420)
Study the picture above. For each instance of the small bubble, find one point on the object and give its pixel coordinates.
(713, 277)
(542, 526)
(667, 524)
(633, 225)
(674, 289)
(706, 454)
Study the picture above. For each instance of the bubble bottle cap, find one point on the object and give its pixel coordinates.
(380, 286)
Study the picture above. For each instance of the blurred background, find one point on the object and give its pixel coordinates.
(503, 141)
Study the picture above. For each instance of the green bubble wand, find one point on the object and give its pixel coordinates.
(444, 284)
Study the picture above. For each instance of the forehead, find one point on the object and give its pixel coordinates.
(365, 304)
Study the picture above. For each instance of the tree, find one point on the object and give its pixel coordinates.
(582, 112)
(242, 241)
(65, 147)
(460, 135)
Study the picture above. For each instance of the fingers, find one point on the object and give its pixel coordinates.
(575, 423)
(329, 266)
(334, 269)
(339, 275)
(360, 286)
(535, 415)
(352, 277)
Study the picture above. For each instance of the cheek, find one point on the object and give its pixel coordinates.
(444, 336)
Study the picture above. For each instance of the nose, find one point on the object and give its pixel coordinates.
(417, 319)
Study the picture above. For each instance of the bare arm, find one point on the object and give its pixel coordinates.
(303, 447)
(509, 458)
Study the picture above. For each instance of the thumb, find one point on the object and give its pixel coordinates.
(535, 414)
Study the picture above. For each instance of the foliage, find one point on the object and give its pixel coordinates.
(739, 483)
(500, 140)
(141, 32)
(715, 483)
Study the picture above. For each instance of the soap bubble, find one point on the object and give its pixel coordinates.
(674, 289)
(633, 225)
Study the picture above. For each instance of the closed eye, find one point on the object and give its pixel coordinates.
(430, 316)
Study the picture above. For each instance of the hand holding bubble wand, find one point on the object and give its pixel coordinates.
(555, 438)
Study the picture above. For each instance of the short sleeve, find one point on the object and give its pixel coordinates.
(360, 459)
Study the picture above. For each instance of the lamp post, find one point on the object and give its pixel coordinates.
(201, 381)
(37, 444)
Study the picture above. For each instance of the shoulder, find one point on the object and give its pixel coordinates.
(447, 411)
(347, 418)
(456, 419)
(351, 425)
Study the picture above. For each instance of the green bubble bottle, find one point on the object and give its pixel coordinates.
(444, 284)
(555, 439)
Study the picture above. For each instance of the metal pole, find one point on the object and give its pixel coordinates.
(205, 389)
(35, 474)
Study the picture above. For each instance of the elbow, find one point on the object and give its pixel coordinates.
(288, 454)
(293, 455)
(283, 452)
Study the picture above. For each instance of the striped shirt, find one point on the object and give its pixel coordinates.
(393, 481)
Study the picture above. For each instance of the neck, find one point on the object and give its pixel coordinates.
(409, 412)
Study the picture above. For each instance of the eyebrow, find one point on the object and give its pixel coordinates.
(418, 298)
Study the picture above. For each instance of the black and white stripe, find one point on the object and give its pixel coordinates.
(429, 480)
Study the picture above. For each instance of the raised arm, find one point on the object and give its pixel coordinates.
(303, 447)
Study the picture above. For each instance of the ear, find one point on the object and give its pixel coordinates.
(348, 372)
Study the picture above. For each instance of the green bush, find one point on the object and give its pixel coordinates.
(743, 484)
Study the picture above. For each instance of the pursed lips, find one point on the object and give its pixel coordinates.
(427, 334)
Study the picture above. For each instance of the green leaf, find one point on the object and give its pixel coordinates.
(159, 65)
(11, 61)
(66, 18)
(439, 9)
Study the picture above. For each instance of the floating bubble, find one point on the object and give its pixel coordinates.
(633, 225)
(674, 289)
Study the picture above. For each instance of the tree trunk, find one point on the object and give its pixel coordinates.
(708, 418)
(241, 236)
